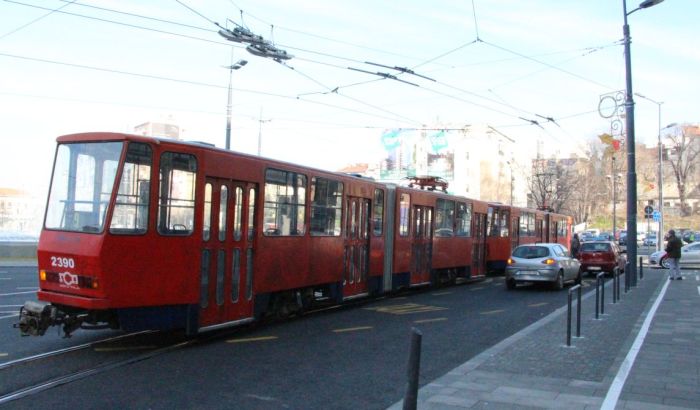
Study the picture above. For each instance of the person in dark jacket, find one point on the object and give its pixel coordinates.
(673, 253)
(575, 246)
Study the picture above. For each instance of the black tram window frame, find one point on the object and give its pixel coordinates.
(175, 161)
(326, 207)
(138, 159)
(378, 213)
(295, 204)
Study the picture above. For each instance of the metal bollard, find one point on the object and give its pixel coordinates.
(628, 278)
(599, 302)
(410, 400)
(641, 269)
(578, 314)
(615, 282)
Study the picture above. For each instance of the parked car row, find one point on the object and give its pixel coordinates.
(690, 255)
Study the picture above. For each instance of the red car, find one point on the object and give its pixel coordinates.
(602, 256)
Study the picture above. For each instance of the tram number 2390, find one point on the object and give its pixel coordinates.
(60, 262)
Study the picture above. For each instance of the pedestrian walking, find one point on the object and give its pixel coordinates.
(673, 253)
(575, 246)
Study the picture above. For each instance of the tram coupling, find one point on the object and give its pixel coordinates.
(36, 317)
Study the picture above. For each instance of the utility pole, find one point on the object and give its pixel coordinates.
(260, 122)
(234, 66)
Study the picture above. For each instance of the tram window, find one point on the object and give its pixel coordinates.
(223, 209)
(326, 207)
(251, 213)
(206, 223)
(220, 270)
(464, 219)
(445, 217)
(404, 209)
(176, 195)
(130, 214)
(523, 224)
(236, 275)
(505, 219)
(249, 274)
(237, 213)
(285, 200)
(83, 180)
(204, 279)
(378, 212)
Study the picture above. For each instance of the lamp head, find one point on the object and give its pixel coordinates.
(648, 3)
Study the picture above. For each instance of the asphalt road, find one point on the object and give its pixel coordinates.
(346, 358)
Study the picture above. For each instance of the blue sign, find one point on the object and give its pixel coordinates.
(656, 215)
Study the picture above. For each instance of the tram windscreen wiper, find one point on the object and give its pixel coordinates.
(91, 228)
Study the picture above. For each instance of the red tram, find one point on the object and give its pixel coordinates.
(510, 226)
(144, 233)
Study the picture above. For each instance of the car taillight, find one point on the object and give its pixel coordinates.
(549, 261)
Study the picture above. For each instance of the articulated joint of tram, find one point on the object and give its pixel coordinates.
(36, 317)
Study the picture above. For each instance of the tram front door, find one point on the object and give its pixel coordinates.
(356, 255)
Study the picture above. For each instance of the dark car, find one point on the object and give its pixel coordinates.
(602, 256)
(690, 236)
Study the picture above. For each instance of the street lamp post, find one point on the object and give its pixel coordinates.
(234, 66)
(660, 181)
(631, 165)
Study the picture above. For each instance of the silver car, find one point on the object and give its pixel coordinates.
(690, 255)
(542, 262)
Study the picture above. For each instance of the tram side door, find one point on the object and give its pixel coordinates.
(356, 252)
(514, 233)
(227, 252)
(421, 245)
(479, 245)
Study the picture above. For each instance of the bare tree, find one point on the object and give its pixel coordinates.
(552, 183)
(685, 152)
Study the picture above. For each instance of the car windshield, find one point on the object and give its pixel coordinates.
(83, 180)
(531, 252)
(595, 247)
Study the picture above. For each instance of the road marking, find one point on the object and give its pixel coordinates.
(538, 304)
(252, 339)
(406, 308)
(10, 306)
(473, 289)
(16, 293)
(492, 312)
(441, 293)
(437, 319)
(123, 348)
(5, 278)
(352, 329)
(28, 287)
(618, 383)
(9, 316)
(3, 354)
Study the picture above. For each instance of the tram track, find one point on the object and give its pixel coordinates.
(45, 355)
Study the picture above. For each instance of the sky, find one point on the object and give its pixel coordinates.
(109, 65)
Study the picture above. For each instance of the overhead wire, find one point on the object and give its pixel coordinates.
(35, 20)
(433, 60)
(190, 82)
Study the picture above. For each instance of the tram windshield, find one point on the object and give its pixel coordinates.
(83, 180)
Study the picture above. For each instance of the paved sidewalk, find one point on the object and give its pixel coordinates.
(644, 353)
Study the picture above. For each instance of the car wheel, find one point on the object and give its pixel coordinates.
(665, 263)
(510, 284)
(559, 283)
